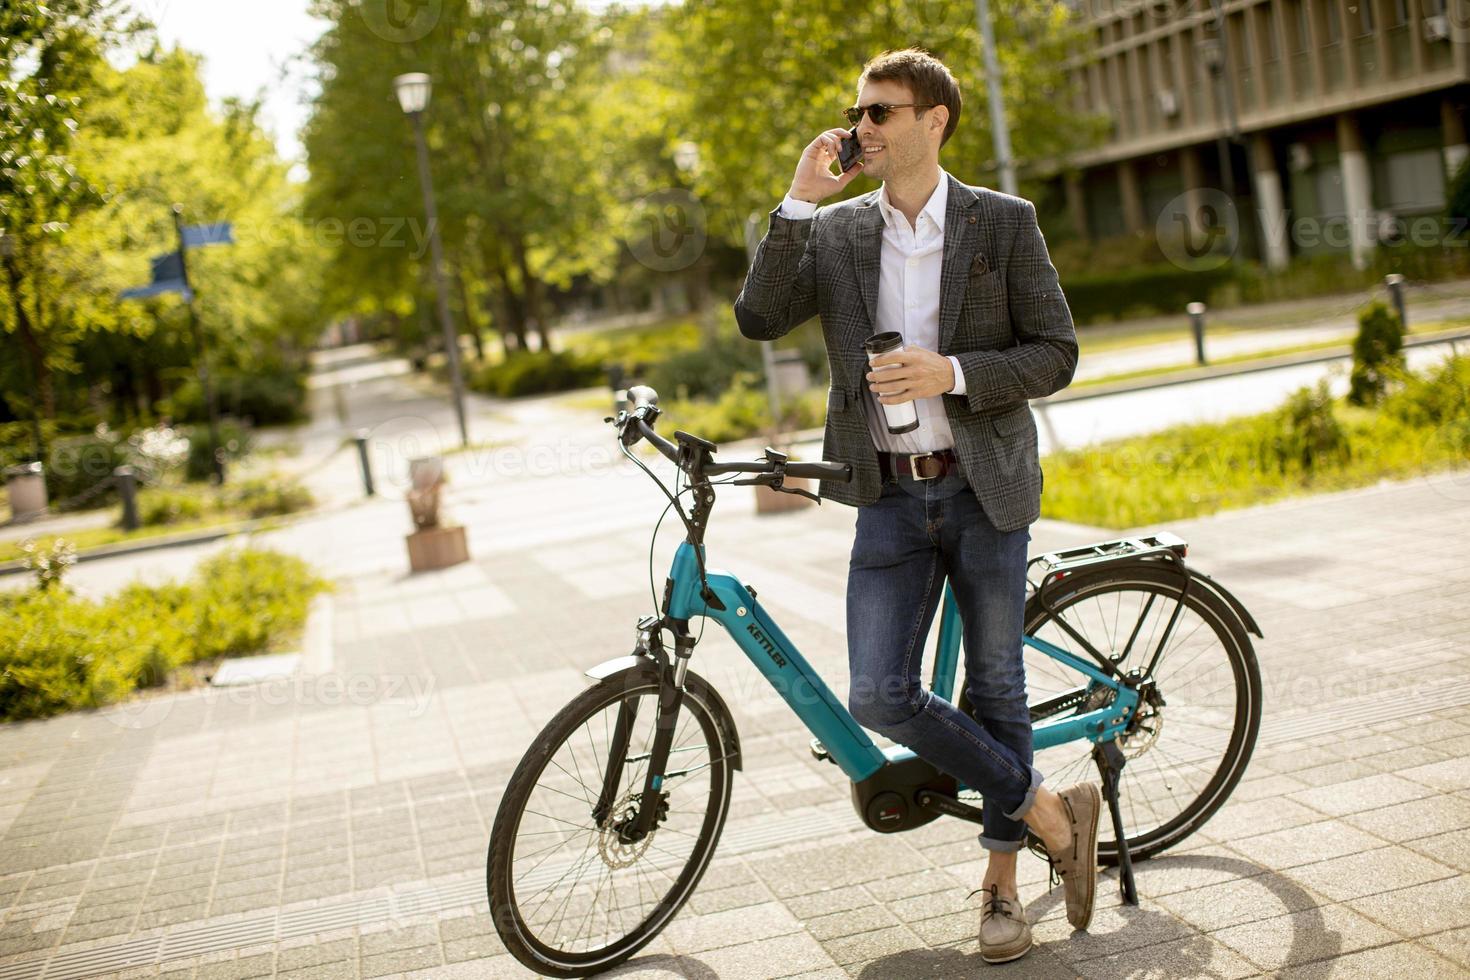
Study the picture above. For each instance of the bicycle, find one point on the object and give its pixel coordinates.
(613, 815)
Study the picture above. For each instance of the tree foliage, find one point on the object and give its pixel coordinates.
(555, 134)
(86, 196)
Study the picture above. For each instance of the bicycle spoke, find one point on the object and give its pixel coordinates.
(577, 887)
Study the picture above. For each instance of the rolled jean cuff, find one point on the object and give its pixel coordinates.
(1020, 812)
(991, 844)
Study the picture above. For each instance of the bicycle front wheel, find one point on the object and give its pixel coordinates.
(569, 894)
(1192, 740)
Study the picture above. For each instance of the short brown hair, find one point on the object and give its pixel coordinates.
(925, 75)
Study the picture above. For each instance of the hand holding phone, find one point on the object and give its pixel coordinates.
(850, 152)
(814, 180)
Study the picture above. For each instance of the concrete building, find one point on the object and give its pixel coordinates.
(1348, 118)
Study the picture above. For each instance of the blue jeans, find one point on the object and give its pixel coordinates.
(915, 535)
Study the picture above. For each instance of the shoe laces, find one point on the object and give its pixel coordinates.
(994, 904)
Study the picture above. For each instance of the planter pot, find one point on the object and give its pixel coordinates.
(768, 501)
(436, 547)
(26, 486)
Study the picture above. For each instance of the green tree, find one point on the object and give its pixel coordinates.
(754, 81)
(521, 197)
(50, 56)
(94, 158)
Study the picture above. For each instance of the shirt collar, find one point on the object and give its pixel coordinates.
(934, 207)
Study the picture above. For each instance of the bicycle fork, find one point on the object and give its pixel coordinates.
(651, 801)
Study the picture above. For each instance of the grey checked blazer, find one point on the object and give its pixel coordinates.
(1001, 313)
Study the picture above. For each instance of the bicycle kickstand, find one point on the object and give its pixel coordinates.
(1110, 761)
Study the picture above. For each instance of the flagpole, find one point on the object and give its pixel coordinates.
(202, 353)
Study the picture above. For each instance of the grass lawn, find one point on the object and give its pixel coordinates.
(1311, 444)
(181, 510)
(1260, 355)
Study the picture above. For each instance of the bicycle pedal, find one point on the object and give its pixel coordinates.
(819, 751)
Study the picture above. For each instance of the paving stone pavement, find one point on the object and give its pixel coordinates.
(335, 825)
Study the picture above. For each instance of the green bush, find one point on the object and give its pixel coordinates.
(1378, 353)
(267, 497)
(742, 410)
(1150, 289)
(536, 373)
(637, 348)
(1438, 397)
(79, 469)
(1308, 433)
(705, 371)
(1457, 208)
(233, 436)
(274, 396)
(60, 651)
(157, 507)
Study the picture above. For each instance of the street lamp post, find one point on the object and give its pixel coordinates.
(413, 95)
(1000, 129)
(201, 353)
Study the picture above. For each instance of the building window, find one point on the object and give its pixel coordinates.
(1363, 9)
(1241, 38)
(1268, 27)
(1303, 29)
(1413, 181)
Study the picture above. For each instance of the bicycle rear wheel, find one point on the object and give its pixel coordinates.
(1190, 744)
(569, 896)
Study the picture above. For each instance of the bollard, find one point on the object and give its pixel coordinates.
(617, 380)
(1196, 313)
(362, 457)
(1395, 284)
(127, 489)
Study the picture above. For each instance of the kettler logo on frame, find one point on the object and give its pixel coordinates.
(766, 643)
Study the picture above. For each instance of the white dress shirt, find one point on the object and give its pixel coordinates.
(908, 302)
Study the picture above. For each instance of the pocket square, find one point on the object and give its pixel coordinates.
(979, 266)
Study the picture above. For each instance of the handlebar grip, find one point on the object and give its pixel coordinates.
(640, 395)
(835, 472)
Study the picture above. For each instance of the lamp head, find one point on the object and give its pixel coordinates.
(413, 91)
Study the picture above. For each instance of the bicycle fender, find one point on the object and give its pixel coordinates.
(607, 668)
(1235, 604)
(611, 670)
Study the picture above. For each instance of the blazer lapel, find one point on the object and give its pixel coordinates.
(867, 250)
(962, 216)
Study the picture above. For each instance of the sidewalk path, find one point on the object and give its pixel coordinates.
(336, 826)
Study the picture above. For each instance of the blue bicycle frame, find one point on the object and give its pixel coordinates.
(783, 666)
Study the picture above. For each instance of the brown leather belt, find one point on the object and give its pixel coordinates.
(919, 466)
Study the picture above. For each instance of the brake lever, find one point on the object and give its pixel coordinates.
(776, 481)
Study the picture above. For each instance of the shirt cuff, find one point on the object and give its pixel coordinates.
(959, 377)
(797, 210)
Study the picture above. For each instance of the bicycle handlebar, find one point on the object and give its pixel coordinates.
(644, 397)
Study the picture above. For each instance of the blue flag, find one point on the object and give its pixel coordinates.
(168, 277)
(220, 233)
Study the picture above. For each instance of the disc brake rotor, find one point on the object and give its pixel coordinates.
(616, 852)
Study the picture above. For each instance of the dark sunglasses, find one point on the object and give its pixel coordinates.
(878, 111)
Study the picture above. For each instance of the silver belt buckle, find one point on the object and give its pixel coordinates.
(914, 469)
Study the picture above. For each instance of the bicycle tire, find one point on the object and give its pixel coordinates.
(1234, 642)
(542, 953)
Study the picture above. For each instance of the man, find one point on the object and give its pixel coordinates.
(964, 275)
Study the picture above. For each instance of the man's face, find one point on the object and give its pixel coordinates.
(903, 144)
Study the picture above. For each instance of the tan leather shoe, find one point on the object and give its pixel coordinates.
(1005, 934)
(1077, 864)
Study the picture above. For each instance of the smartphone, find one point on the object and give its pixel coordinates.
(850, 152)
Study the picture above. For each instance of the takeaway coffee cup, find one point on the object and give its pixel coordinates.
(900, 418)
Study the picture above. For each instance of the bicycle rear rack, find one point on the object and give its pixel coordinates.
(1056, 565)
